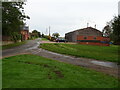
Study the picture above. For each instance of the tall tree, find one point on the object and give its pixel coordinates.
(116, 29)
(12, 17)
(115, 26)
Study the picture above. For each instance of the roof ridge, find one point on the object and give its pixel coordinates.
(84, 29)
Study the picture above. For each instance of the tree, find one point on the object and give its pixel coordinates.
(16, 36)
(116, 30)
(107, 30)
(39, 34)
(56, 35)
(34, 31)
(43, 35)
(115, 25)
(36, 34)
(12, 17)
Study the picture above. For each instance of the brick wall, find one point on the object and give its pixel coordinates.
(6, 38)
(93, 40)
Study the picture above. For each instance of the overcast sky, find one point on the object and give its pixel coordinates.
(68, 15)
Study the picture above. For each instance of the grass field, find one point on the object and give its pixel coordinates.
(30, 71)
(12, 45)
(44, 39)
(107, 53)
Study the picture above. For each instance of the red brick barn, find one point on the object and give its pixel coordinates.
(89, 36)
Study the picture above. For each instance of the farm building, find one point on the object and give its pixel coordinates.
(25, 33)
(87, 35)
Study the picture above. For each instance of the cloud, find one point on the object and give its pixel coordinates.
(68, 15)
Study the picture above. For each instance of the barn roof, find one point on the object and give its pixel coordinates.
(86, 29)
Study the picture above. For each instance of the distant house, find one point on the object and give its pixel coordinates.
(25, 32)
(87, 35)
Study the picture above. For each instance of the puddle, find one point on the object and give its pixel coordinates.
(58, 54)
(34, 47)
(106, 64)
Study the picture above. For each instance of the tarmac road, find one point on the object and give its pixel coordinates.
(31, 44)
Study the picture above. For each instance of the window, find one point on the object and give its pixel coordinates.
(85, 37)
(94, 37)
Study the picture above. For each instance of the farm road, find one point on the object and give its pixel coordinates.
(31, 47)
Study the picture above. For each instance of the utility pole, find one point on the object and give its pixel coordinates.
(49, 34)
(46, 31)
(49, 30)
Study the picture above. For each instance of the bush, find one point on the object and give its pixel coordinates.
(15, 36)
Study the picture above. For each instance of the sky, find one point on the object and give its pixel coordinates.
(64, 16)
(119, 8)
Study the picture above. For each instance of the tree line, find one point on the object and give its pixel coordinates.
(35, 34)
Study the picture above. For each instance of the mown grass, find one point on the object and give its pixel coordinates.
(44, 39)
(31, 71)
(106, 53)
(12, 45)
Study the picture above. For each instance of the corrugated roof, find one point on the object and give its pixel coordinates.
(85, 29)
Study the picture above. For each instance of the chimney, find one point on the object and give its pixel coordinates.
(95, 25)
(87, 24)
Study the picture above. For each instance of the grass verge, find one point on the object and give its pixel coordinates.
(44, 39)
(31, 71)
(12, 45)
(106, 53)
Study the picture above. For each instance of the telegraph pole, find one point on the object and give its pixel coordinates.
(46, 31)
(49, 34)
(49, 30)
